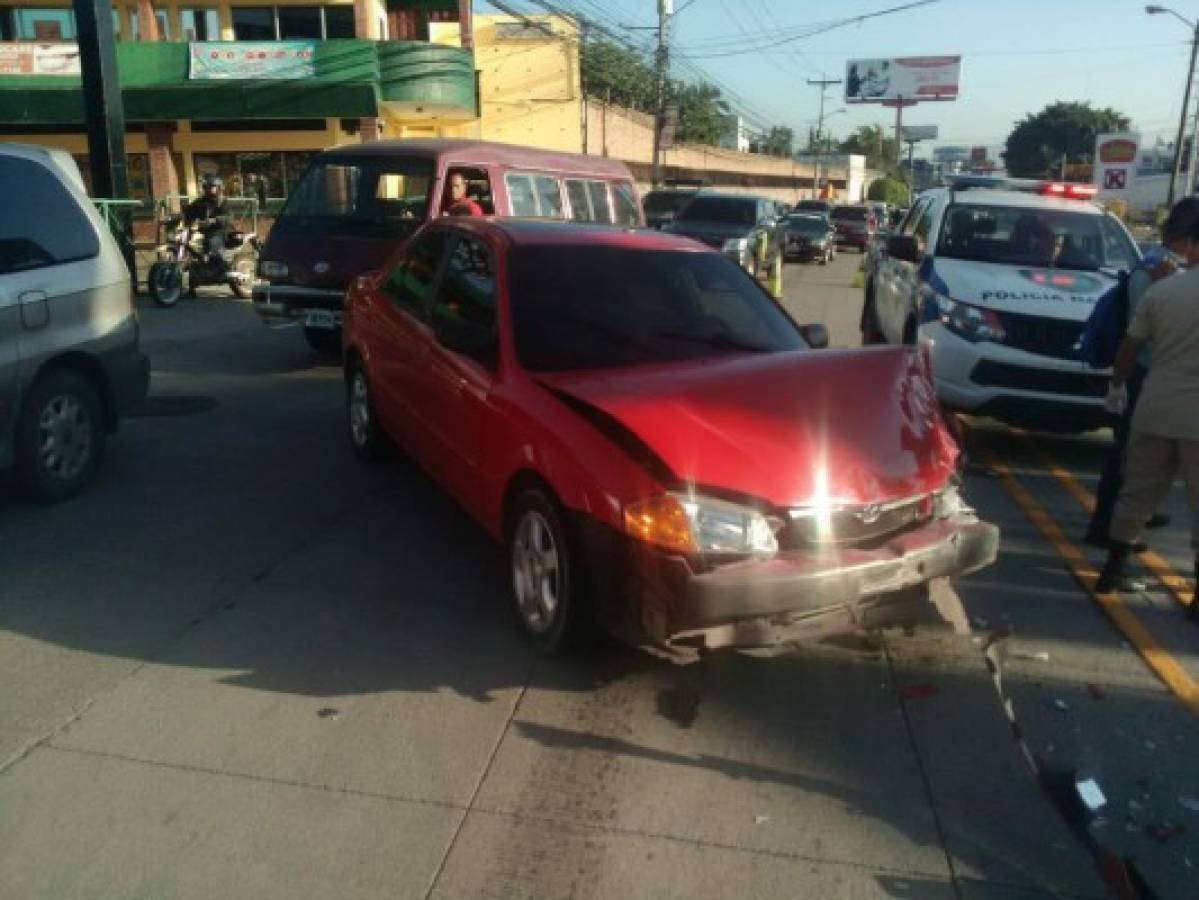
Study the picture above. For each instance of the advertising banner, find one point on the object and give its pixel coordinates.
(1116, 163)
(39, 59)
(919, 133)
(251, 60)
(906, 78)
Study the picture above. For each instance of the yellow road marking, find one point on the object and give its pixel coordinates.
(1156, 657)
(1150, 559)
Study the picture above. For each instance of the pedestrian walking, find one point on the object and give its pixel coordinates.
(1176, 232)
(1164, 438)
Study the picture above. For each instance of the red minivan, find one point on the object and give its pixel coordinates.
(660, 447)
(355, 203)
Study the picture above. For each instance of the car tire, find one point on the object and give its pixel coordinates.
(60, 436)
(872, 334)
(546, 594)
(367, 439)
(324, 341)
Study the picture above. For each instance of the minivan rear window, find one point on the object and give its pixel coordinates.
(58, 232)
(367, 197)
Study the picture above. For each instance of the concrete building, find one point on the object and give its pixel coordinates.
(359, 69)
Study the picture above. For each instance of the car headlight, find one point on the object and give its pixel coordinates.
(971, 322)
(735, 245)
(272, 269)
(691, 524)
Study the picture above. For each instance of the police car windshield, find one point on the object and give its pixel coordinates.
(1045, 238)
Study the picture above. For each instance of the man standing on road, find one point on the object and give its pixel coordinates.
(1164, 441)
(1176, 235)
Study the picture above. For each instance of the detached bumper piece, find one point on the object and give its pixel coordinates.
(810, 594)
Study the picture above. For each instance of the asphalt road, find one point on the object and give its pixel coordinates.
(244, 665)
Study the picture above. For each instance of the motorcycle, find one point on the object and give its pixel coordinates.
(185, 257)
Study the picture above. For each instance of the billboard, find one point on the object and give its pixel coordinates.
(245, 60)
(903, 78)
(951, 154)
(919, 133)
(39, 59)
(1116, 163)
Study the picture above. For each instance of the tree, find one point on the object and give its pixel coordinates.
(1039, 141)
(891, 191)
(618, 74)
(703, 113)
(779, 141)
(827, 143)
(871, 141)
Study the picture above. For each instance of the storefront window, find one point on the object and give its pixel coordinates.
(339, 21)
(138, 169)
(45, 24)
(300, 22)
(200, 25)
(254, 23)
(265, 175)
(164, 24)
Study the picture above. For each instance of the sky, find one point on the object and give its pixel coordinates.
(1017, 57)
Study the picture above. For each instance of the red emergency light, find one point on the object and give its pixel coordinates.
(1069, 190)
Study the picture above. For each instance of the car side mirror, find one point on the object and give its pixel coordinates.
(815, 334)
(904, 248)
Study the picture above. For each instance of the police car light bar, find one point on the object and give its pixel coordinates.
(1069, 190)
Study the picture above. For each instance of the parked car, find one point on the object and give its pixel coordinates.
(999, 277)
(70, 363)
(355, 203)
(655, 441)
(732, 224)
(855, 225)
(813, 206)
(662, 204)
(810, 237)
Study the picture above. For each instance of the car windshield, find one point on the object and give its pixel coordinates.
(658, 202)
(581, 307)
(371, 197)
(1045, 238)
(851, 213)
(733, 210)
(807, 224)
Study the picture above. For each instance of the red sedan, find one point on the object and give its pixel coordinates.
(657, 443)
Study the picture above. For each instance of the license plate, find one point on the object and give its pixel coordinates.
(321, 318)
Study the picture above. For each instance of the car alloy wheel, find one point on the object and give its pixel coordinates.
(365, 437)
(60, 436)
(64, 437)
(536, 575)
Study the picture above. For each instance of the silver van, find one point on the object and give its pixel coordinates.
(69, 357)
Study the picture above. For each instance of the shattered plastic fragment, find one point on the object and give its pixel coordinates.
(1090, 794)
(1039, 656)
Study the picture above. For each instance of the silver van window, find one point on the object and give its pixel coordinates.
(41, 223)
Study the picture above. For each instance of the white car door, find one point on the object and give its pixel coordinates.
(895, 281)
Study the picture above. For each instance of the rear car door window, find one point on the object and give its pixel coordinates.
(60, 232)
(549, 197)
(411, 283)
(589, 200)
(466, 300)
(522, 198)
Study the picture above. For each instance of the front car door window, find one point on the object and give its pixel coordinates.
(464, 311)
(411, 283)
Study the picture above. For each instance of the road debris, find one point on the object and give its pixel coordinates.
(1039, 656)
(1189, 803)
(1061, 705)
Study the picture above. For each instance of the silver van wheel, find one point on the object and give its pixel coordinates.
(60, 436)
(64, 437)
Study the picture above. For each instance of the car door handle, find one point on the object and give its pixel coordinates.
(35, 311)
(31, 297)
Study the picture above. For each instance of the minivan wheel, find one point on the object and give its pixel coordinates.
(165, 280)
(325, 341)
(368, 441)
(60, 437)
(543, 572)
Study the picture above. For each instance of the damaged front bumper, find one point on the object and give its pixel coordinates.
(810, 594)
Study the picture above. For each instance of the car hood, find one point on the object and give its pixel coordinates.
(1060, 293)
(859, 426)
(701, 229)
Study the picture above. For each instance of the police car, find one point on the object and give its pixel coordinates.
(998, 277)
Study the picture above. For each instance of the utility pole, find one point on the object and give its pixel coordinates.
(1182, 119)
(662, 67)
(1189, 187)
(104, 109)
(823, 84)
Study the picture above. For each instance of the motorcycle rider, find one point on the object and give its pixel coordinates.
(209, 213)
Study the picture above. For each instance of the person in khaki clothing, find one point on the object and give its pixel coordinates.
(1165, 427)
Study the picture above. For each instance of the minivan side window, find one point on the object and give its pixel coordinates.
(466, 300)
(625, 202)
(58, 232)
(411, 282)
(589, 200)
(534, 195)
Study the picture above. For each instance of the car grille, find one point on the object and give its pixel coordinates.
(856, 524)
(1042, 335)
(990, 373)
